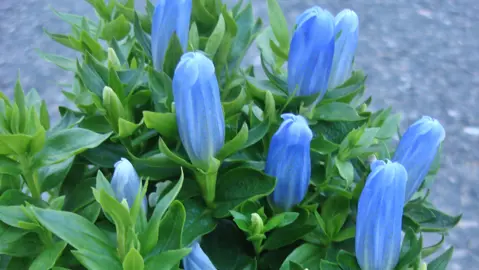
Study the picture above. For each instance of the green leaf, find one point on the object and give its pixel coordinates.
(168, 259)
(76, 231)
(345, 234)
(106, 154)
(280, 220)
(322, 145)
(17, 197)
(239, 185)
(14, 144)
(53, 175)
(120, 215)
(48, 258)
(199, 221)
(18, 243)
(278, 23)
(19, 97)
(335, 212)
(345, 169)
(133, 261)
(235, 144)
(171, 228)
(216, 37)
(336, 111)
(347, 261)
(13, 215)
(116, 29)
(201, 14)
(227, 247)
(431, 220)
(64, 144)
(327, 265)
(164, 123)
(390, 127)
(126, 128)
(67, 64)
(172, 55)
(9, 166)
(193, 38)
(141, 36)
(95, 260)
(258, 88)
(149, 237)
(289, 234)
(410, 250)
(174, 157)
(441, 262)
(306, 255)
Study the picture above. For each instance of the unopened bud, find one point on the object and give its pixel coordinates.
(256, 224)
(113, 61)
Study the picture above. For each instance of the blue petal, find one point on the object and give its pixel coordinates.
(311, 53)
(379, 217)
(169, 17)
(346, 25)
(199, 113)
(289, 161)
(417, 149)
(197, 259)
(126, 183)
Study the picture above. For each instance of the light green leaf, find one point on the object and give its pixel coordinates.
(216, 37)
(65, 144)
(133, 261)
(167, 259)
(278, 23)
(48, 258)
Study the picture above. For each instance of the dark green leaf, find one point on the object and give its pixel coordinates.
(227, 247)
(116, 29)
(173, 55)
(53, 175)
(306, 255)
(18, 243)
(441, 262)
(239, 185)
(171, 228)
(347, 261)
(199, 221)
(149, 237)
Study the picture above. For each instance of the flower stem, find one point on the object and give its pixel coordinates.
(207, 183)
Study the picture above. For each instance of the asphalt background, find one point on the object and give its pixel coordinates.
(422, 58)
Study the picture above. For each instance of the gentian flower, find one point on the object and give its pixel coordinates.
(346, 26)
(417, 149)
(379, 218)
(199, 114)
(311, 53)
(289, 161)
(126, 183)
(197, 259)
(169, 17)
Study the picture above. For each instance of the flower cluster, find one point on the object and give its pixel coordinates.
(290, 170)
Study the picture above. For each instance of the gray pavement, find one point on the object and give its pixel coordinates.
(422, 57)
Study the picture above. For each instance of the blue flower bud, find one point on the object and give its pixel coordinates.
(379, 218)
(417, 149)
(197, 259)
(126, 183)
(199, 114)
(346, 25)
(289, 161)
(169, 17)
(311, 53)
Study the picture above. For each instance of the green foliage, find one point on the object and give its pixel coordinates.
(124, 109)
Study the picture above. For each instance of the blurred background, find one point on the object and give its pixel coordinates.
(421, 57)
